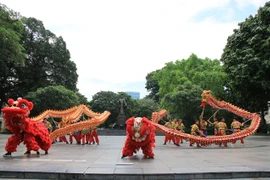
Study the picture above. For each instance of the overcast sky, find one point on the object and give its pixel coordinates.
(116, 43)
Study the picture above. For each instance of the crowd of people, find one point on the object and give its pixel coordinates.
(199, 128)
(85, 136)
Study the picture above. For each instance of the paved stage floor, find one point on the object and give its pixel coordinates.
(103, 161)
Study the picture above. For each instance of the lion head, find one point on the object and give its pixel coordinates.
(16, 112)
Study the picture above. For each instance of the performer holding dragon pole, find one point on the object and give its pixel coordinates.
(203, 127)
(95, 135)
(236, 127)
(62, 138)
(179, 126)
(48, 125)
(222, 128)
(222, 138)
(168, 137)
(195, 131)
(214, 124)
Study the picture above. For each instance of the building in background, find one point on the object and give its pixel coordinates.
(134, 95)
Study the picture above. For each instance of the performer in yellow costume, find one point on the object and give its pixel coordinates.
(169, 137)
(48, 125)
(203, 127)
(222, 127)
(179, 126)
(236, 127)
(195, 131)
(215, 125)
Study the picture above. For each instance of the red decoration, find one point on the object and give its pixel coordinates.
(203, 104)
(33, 135)
(140, 135)
(207, 98)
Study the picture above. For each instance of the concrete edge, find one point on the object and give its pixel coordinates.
(114, 176)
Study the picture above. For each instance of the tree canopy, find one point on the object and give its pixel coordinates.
(246, 59)
(106, 101)
(206, 73)
(48, 60)
(11, 50)
(52, 97)
(184, 102)
(152, 86)
(32, 57)
(146, 107)
(11, 28)
(181, 83)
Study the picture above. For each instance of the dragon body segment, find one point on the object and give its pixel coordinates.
(67, 128)
(35, 135)
(208, 98)
(70, 119)
(68, 116)
(33, 132)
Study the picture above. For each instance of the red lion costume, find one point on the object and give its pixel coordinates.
(33, 134)
(140, 134)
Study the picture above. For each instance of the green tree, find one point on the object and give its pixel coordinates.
(48, 60)
(53, 98)
(206, 73)
(106, 101)
(246, 59)
(11, 50)
(146, 107)
(82, 99)
(152, 86)
(182, 82)
(184, 102)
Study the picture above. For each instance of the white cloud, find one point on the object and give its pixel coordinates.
(118, 42)
(244, 3)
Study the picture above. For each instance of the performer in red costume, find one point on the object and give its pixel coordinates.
(78, 135)
(33, 134)
(89, 137)
(94, 135)
(140, 134)
(169, 137)
(62, 138)
(83, 136)
(71, 135)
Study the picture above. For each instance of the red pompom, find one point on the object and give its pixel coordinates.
(203, 104)
(30, 106)
(10, 101)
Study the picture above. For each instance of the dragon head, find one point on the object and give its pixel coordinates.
(17, 112)
(205, 95)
